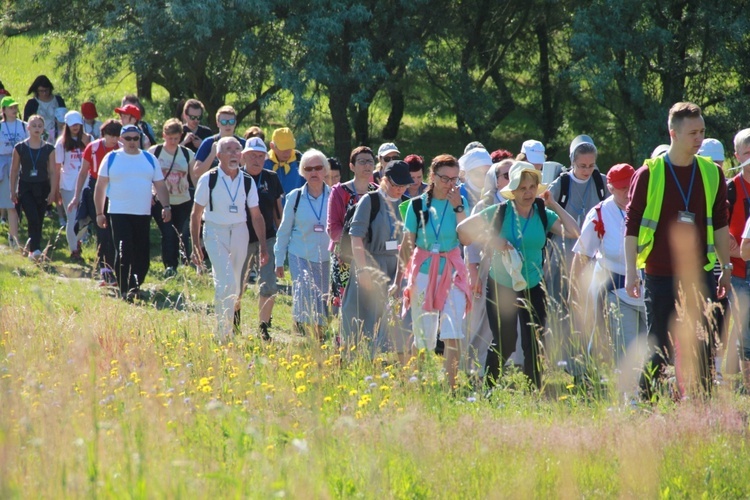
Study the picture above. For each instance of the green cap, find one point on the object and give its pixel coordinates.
(7, 102)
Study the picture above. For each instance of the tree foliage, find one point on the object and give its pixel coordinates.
(609, 68)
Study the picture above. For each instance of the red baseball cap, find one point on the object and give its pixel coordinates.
(129, 109)
(620, 175)
(88, 110)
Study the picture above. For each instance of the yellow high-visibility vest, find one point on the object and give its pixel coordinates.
(656, 182)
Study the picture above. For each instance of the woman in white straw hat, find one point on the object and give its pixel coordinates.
(516, 233)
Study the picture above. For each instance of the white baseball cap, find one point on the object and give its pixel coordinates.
(713, 149)
(255, 144)
(534, 151)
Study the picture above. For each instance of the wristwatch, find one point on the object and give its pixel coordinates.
(459, 209)
(167, 207)
(727, 267)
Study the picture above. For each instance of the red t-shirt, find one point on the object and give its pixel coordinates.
(94, 154)
(659, 261)
(737, 221)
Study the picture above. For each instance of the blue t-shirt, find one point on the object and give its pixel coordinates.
(208, 143)
(528, 236)
(291, 180)
(441, 228)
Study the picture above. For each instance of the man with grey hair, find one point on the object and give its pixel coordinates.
(223, 197)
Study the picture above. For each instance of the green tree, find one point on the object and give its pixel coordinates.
(211, 50)
(635, 59)
(351, 50)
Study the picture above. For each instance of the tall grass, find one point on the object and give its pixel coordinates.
(104, 398)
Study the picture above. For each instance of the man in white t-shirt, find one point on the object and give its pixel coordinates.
(125, 177)
(599, 292)
(221, 196)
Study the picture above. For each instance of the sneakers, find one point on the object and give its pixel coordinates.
(170, 272)
(75, 256)
(13, 242)
(35, 255)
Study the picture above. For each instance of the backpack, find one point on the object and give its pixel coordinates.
(146, 131)
(345, 245)
(497, 221)
(213, 177)
(184, 150)
(565, 187)
(111, 159)
(422, 215)
(599, 222)
(732, 199)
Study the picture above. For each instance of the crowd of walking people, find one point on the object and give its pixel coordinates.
(493, 260)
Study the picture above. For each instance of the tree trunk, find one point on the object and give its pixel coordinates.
(338, 101)
(398, 103)
(362, 124)
(143, 86)
(548, 112)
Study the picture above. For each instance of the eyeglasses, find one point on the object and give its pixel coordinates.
(363, 161)
(316, 168)
(194, 117)
(586, 167)
(131, 138)
(446, 180)
(391, 158)
(230, 121)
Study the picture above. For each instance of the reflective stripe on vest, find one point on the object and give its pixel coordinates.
(656, 182)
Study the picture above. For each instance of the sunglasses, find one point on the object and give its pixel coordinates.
(390, 158)
(503, 175)
(316, 168)
(230, 121)
(447, 180)
(194, 117)
(131, 138)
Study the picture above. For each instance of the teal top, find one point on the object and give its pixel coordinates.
(528, 236)
(441, 228)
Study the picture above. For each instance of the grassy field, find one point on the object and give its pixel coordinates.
(100, 398)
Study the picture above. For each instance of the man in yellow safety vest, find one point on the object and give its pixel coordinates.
(679, 188)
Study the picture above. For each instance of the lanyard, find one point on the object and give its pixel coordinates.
(34, 160)
(260, 179)
(686, 199)
(319, 213)
(583, 197)
(440, 226)
(517, 231)
(236, 191)
(388, 215)
(622, 214)
(12, 139)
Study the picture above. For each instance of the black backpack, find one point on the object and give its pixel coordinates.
(422, 215)
(565, 187)
(213, 176)
(345, 245)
